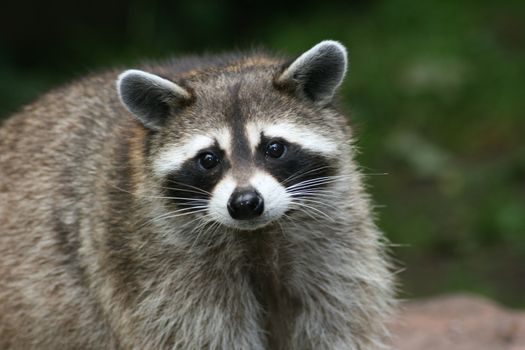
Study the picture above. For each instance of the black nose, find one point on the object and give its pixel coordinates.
(245, 204)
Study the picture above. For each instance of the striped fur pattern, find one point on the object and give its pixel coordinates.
(114, 236)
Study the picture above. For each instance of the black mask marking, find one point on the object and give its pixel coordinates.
(192, 182)
(295, 165)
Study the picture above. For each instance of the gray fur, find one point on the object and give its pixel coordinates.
(89, 260)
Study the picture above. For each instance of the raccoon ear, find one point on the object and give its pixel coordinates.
(150, 97)
(317, 73)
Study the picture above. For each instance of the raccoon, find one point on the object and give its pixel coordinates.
(206, 202)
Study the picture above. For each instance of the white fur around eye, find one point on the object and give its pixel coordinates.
(224, 139)
(253, 133)
(301, 135)
(172, 158)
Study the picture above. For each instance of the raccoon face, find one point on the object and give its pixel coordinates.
(244, 147)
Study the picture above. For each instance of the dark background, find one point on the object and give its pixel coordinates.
(435, 92)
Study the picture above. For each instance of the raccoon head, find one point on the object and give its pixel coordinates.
(245, 142)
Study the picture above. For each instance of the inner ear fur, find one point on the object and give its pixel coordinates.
(149, 97)
(317, 73)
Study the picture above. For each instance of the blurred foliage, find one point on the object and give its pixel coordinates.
(435, 91)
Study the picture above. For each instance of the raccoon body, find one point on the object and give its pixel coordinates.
(201, 203)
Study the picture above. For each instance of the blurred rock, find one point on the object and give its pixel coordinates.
(458, 322)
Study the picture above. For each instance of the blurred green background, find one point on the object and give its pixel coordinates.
(435, 92)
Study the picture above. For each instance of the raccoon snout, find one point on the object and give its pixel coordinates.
(245, 204)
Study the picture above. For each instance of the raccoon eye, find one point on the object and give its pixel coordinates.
(208, 160)
(275, 149)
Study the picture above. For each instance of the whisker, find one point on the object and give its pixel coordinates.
(183, 214)
(177, 198)
(200, 230)
(190, 186)
(314, 192)
(314, 209)
(322, 178)
(203, 222)
(307, 212)
(298, 174)
(314, 183)
(290, 220)
(163, 197)
(281, 226)
(321, 203)
(175, 213)
(212, 231)
(185, 190)
(120, 189)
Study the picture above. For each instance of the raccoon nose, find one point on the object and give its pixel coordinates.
(245, 204)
